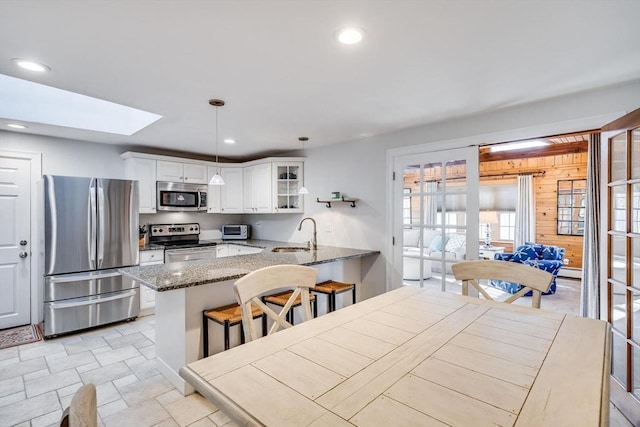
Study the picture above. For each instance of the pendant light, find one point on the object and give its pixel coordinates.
(303, 189)
(216, 179)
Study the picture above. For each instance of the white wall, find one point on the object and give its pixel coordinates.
(358, 168)
(68, 157)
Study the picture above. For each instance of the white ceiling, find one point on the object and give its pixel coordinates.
(283, 75)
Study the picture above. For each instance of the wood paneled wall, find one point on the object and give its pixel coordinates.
(568, 166)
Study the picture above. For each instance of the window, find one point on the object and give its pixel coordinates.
(571, 194)
(507, 225)
(406, 206)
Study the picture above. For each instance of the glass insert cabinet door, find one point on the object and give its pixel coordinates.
(435, 212)
(288, 180)
(621, 301)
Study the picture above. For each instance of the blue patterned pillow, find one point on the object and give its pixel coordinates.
(524, 253)
(436, 244)
(550, 253)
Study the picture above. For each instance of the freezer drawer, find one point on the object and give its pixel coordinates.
(79, 313)
(65, 286)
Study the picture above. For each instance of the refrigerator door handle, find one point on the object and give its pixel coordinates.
(74, 278)
(92, 300)
(92, 220)
(101, 229)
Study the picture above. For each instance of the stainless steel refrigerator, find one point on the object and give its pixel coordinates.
(90, 230)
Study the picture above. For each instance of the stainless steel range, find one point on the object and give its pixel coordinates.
(182, 242)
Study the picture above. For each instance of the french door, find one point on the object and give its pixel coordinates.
(435, 216)
(621, 276)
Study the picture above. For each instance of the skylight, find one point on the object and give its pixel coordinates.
(27, 101)
(518, 145)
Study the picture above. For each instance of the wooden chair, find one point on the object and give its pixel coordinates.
(281, 298)
(83, 410)
(532, 279)
(331, 288)
(227, 316)
(251, 287)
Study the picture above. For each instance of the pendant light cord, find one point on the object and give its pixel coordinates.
(217, 164)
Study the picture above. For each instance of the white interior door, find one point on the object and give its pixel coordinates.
(15, 242)
(435, 215)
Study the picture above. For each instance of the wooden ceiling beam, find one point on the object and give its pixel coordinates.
(549, 150)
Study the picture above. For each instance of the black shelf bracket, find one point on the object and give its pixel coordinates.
(343, 199)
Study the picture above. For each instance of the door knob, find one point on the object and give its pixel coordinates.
(23, 243)
(23, 254)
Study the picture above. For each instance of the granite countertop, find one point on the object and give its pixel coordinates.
(151, 247)
(177, 275)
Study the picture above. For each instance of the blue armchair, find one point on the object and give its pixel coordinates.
(544, 257)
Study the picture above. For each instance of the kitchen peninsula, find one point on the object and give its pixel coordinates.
(186, 288)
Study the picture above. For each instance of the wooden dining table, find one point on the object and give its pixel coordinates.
(417, 357)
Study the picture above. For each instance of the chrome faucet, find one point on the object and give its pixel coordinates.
(314, 242)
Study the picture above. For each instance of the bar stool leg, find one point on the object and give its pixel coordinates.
(241, 333)
(205, 335)
(353, 294)
(264, 325)
(226, 335)
(315, 308)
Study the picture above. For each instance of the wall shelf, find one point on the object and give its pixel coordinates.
(342, 199)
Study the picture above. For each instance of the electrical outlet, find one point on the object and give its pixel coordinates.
(328, 228)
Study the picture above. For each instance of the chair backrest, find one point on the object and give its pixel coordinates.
(83, 410)
(531, 279)
(255, 284)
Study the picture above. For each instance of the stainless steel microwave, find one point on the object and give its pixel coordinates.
(236, 232)
(179, 197)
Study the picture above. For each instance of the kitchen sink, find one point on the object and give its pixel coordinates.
(290, 249)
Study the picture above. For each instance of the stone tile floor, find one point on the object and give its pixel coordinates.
(38, 380)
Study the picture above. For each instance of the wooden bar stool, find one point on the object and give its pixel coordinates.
(280, 299)
(227, 316)
(332, 288)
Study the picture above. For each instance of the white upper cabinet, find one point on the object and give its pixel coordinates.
(213, 195)
(144, 171)
(182, 172)
(287, 180)
(231, 191)
(195, 174)
(170, 171)
(267, 185)
(257, 189)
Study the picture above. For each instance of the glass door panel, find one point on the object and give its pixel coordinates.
(433, 200)
(621, 146)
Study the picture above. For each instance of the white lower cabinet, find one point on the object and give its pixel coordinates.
(147, 295)
(243, 250)
(229, 249)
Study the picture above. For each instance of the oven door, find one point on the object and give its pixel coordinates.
(190, 254)
(173, 196)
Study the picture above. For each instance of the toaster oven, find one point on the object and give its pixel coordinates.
(236, 232)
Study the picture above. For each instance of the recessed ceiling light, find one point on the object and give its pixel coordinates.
(229, 141)
(351, 35)
(16, 126)
(31, 65)
(518, 145)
